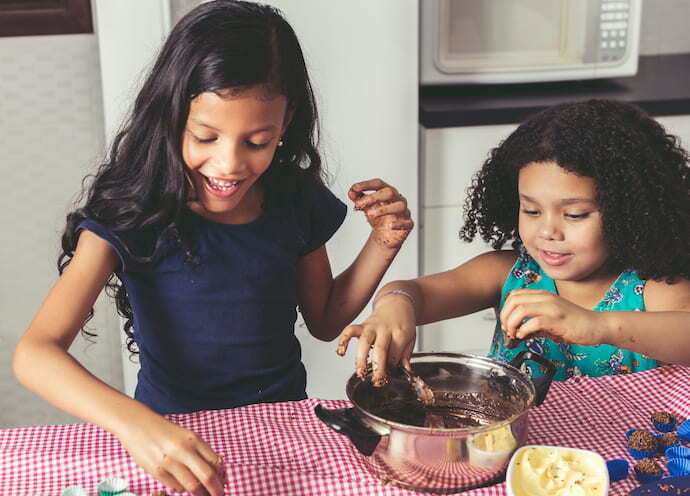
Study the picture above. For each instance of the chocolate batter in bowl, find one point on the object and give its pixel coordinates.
(464, 440)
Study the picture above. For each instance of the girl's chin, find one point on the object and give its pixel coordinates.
(569, 274)
(214, 206)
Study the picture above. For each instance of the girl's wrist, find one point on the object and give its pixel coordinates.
(389, 252)
(401, 294)
(137, 415)
(609, 328)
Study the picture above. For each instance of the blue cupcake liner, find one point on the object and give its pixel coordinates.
(618, 469)
(639, 454)
(644, 478)
(678, 466)
(677, 452)
(662, 449)
(663, 427)
(683, 431)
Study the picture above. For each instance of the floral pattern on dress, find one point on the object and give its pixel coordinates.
(625, 294)
(613, 296)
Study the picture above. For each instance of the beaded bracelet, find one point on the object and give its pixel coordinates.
(390, 292)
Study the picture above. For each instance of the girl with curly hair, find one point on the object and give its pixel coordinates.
(208, 220)
(594, 198)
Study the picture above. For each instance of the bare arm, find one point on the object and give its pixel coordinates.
(329, 304)
(41, 354)
(468, 288)
(663, 331)
(175, 456)
(390, 329)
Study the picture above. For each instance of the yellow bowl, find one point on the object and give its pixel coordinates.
(541, 470)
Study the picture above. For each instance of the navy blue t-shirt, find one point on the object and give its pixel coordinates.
(220, 333)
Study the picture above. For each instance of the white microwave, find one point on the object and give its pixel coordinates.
(515, 41)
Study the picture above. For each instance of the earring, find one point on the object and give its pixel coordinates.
(280, 143)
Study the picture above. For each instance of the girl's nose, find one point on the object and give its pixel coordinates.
(549, 229)
(229, 160)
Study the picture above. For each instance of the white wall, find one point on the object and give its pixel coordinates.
(130, 34)
(51, 135)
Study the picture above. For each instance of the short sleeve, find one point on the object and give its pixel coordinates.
(322, 213)
(112, 239)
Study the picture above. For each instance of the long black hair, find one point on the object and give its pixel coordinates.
(641, 174)
(218, 46)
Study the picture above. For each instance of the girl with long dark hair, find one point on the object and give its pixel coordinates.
(207, 221)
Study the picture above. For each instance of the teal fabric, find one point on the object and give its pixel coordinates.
(625, 294)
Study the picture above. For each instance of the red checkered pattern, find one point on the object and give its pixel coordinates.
(284, 449)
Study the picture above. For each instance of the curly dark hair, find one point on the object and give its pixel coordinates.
(642, 181)
(143, 183)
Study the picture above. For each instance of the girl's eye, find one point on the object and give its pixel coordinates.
(529, 212)
(257, 146)
(577, 216)
(203, 140)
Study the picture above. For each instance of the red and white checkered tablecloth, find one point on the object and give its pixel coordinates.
(284, 449)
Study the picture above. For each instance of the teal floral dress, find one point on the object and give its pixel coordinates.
(625, 294)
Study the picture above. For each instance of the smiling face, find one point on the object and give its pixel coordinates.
(227, 144)
(560, 223)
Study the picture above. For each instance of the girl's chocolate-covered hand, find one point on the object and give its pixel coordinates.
(386, 211)
(534, 312)
(388, 335)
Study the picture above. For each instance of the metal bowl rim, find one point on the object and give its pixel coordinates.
(444, 431)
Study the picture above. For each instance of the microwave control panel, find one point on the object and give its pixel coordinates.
(613, 30)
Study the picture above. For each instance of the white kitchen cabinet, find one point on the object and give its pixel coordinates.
(450, 156)
(449, 159)
(442, 250)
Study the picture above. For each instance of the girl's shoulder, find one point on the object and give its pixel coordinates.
(132, 246)
(495, 266)
(304, 213)
(660, 295)
(289, 188)
(97, 254)
(503, 260)
(314, 200)
(496, 261)
(310, 188)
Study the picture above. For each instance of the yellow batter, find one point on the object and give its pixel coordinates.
(496, 440)
(551, 471)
